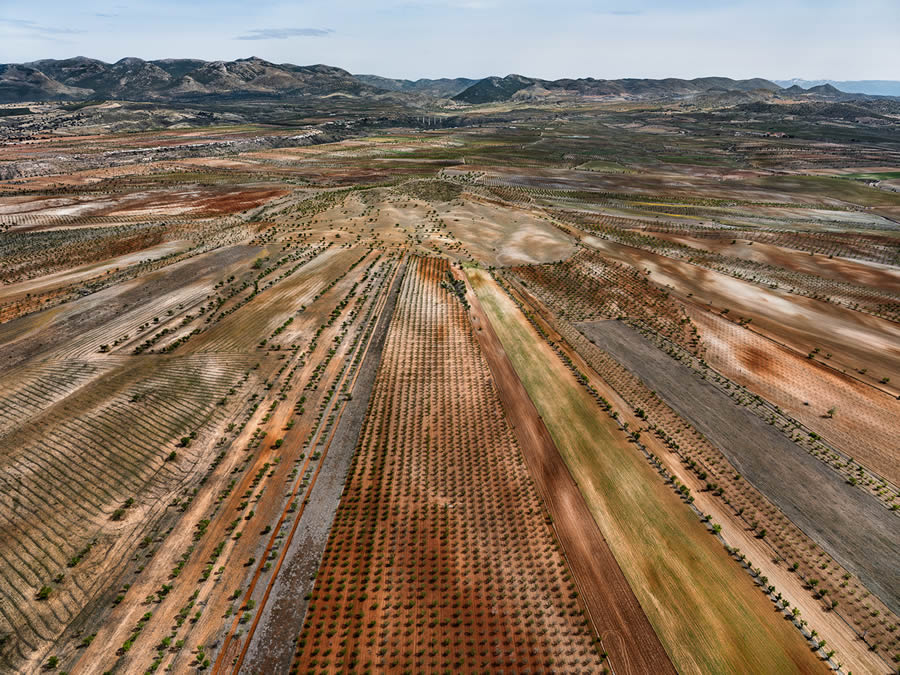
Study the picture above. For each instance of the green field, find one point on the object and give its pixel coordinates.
(882, 175)
(829, 187)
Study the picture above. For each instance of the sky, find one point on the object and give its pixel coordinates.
(776, 39)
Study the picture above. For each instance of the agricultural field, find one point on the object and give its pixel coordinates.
(441, 555)
(845, 521)
(674, 566)
(394, 385)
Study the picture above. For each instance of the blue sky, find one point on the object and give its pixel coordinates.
(443, 38)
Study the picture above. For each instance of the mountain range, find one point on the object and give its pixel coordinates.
(169, 80)
(444, 87)
(82, 78)
(519, 86)
(871, 87)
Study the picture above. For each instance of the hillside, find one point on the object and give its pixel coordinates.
(195, 80)
(82, 78)
(505, 88)
(440, 88)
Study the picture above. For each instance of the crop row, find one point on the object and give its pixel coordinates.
(30, 254)
(440, 557)
(872, 247)
(862, 298)
(590, 287)
(251, 490)
(74, 469)
(836, 588)
(859, 420)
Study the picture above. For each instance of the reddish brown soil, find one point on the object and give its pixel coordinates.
(440, 558)
(848, 523)
(859, 272)
(196, 201)
(267, 475)
(212, 202)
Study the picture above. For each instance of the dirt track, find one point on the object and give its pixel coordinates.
(626, 632)
(859, 533)
(272, 644)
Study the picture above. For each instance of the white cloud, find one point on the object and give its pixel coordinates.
(283, 33)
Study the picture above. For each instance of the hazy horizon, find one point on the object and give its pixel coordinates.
(775, 80)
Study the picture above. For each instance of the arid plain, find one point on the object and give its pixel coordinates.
(517, 387)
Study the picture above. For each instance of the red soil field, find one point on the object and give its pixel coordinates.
(856, 340)
(195, 201)
(440, 557)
